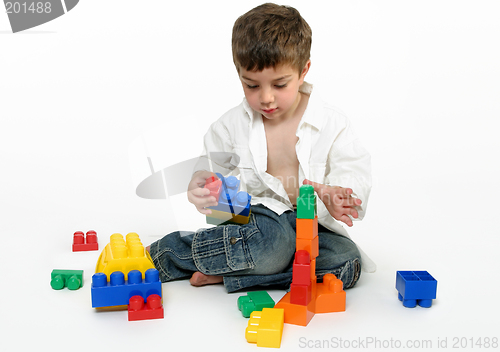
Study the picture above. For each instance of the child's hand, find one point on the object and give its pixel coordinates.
(198, 195)
(338, 201)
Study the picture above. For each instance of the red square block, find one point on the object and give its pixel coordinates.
(301, 274)
(300, 294)
(80, 243)
(137, 310)
(297, 314)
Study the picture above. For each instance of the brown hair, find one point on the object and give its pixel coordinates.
(271, 35)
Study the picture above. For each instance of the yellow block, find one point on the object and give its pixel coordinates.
(124, 256)
(266, 328)
(222, 215)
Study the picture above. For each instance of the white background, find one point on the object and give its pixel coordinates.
(419, 80)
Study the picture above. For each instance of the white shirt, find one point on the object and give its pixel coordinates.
(327, 150)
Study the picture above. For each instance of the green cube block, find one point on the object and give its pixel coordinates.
(306, 203)
(254, 301)
(72, 279)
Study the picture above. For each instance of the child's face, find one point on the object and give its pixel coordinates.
(274, 91)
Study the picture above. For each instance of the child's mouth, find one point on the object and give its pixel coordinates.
(269, 111)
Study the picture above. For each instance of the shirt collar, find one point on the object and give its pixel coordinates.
(312, 115)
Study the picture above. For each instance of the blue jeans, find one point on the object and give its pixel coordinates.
(259, 253)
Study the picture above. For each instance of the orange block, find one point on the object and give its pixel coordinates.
(297, 314)
(307, 228)
(313, 269)
(312, 246)
(330, 296)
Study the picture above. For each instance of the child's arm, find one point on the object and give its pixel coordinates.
(345, 188)
(338, 201)
(198, 195)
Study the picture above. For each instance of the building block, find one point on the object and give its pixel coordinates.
(416, 287)
(300, 294)
(301, 274)
(82, 243)
(118, 291)
(138, 310)
(265, 328)
(307, 229)
(233, 206)
(255, 300)
(229, 189)
(313, 269)
(311, 246)
(214, 185)
(297, 314)
(238, 205)
(306, 203)
(330, 296)
(219, 217)
(124, 256)
(72, 279)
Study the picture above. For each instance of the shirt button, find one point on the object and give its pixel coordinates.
(232, 240)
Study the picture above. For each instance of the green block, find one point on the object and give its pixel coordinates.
(254, 301)
(72, 279)
(306, 203)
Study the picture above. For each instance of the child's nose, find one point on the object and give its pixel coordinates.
(266, 96)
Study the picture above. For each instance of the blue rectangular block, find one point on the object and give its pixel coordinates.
(118, 291)
(416, 287)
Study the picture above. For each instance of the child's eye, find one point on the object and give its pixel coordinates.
(280, 85)
(251, 87)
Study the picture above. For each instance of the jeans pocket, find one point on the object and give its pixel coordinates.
(222, 250)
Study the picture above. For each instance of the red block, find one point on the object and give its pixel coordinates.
(300, 294)
(80, 243)
(301, 268)
(297, 314)
(214, 185)
(137, 310)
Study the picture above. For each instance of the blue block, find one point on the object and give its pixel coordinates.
(118, 291)
(416, 287)
(241, 204)
(230, 200)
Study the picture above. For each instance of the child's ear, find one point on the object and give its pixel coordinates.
(305, 70)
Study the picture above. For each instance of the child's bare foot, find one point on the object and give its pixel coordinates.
(200, 279)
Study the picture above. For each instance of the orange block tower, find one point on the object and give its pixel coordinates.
(306, 296)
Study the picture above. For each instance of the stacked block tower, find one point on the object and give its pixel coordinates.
(308, 297)
(125, 278)
(233, 206)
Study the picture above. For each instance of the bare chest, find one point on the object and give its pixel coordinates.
(282, 160)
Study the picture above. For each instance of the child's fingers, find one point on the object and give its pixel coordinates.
(346, 220)
(205, 211)
(317, 186)
(351, 202)
(200, 192)
(353, 212)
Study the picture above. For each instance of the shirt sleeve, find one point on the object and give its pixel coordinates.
(218, 154)
(349, 165)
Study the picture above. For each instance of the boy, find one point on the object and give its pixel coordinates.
(283, 136)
